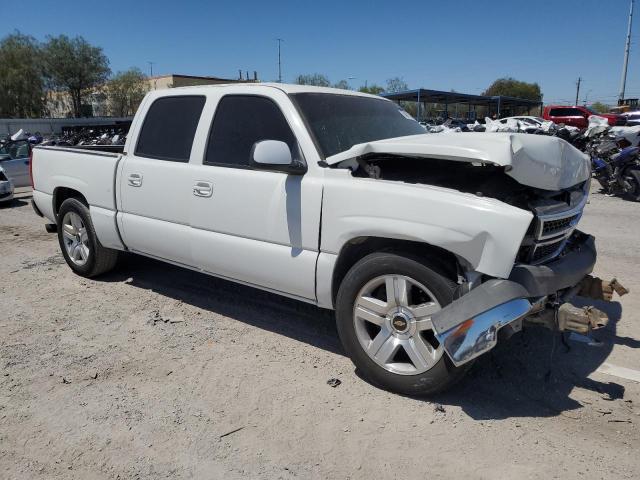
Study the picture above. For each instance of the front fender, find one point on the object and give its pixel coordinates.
(485, 232)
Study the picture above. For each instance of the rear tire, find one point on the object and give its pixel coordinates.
(78, 241)
(410, 360)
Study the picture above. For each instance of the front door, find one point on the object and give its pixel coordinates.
(259, 227)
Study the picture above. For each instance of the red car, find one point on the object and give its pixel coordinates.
(578, 116)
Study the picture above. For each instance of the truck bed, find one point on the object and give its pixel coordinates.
(85, 170)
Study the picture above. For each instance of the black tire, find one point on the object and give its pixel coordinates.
(100, 259)
(443, 374)
(634, 178)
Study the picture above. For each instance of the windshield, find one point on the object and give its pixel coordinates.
(338, 122)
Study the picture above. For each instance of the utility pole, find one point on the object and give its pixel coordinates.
(623, 81)
(279, 62)
(578, 89)
(151, 68)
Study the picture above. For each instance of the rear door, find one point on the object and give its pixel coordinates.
(259, 227)
(155, 179)
(14, 159)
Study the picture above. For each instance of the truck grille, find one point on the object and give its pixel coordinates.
(553, 227)
(550, 231)
(542, 252)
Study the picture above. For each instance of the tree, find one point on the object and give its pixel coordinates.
(21, 79)
(75, 66)
(343, 84)
(396, 84)
(125, 91)
(511, 87)
(600, 107)
(316, 79)
(372, 89)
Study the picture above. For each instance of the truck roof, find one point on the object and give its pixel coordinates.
(285, 87)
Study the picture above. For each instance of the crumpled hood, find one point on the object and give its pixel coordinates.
(538, 161)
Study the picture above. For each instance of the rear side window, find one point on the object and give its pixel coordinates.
(565, 112)
(169, 127)
(241, 121)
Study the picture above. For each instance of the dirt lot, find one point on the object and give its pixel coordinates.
(158, 372)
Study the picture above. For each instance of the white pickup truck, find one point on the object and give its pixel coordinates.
(427, 246)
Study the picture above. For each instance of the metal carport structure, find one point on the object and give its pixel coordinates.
(494, 104)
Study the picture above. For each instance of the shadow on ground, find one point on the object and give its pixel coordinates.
(531, 375)
(13, 203)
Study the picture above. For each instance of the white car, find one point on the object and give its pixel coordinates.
(6, 187)
(14, 159)
(528, 124)
(426, 246)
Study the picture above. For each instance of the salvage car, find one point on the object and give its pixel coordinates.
(6, 187)
(14, 159)
(428, 247)
(578, 115)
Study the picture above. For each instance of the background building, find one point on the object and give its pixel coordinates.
(58, 104)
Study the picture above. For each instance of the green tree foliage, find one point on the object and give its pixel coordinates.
(75, 66)
(600, 107)
(343, 84)
(372, 89)
(125, 91)
(21, 80)
(514, 88)
(316, 79)
(396, 84)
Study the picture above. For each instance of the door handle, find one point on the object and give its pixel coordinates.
(203, 189)
(135, 180)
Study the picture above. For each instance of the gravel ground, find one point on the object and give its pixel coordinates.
(158, 372)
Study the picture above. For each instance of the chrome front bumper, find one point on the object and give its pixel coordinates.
(469, 326)
(478, 335)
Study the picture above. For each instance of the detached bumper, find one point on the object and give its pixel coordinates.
(468, 327)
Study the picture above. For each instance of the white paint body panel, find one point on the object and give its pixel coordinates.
(282, 232)
(485, 232)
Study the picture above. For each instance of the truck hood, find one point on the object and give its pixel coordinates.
(538, 161)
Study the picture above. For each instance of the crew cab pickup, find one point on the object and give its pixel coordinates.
(427, 246)
(578, 116)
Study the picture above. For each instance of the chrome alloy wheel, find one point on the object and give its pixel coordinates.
(392, 317)
(76, 240)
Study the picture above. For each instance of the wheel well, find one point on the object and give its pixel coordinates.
(60, 194)
(438, 258)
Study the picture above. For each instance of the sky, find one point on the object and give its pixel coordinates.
(462, 45)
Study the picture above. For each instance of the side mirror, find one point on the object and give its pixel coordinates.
(275, 155)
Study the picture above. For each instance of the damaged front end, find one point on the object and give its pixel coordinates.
(535, 294)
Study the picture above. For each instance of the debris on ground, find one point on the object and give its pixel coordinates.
(438, 408)
(156, 317)
(231, 432)
(333, 382)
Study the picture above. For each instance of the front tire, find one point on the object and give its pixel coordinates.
(78, 241)
(383, 314)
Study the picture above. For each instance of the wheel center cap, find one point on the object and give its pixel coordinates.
(400, 322)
